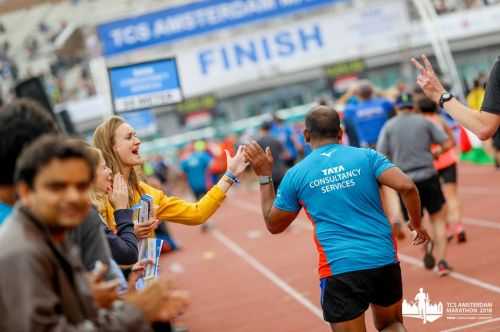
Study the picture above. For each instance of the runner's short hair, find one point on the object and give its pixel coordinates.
(323, 122)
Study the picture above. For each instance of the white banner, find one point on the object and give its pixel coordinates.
(292, 47)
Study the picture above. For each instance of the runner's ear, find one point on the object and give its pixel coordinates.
(307, 135)
(341, 133)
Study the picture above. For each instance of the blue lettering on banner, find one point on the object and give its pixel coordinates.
(286, 47)
(193, 19)
(266, 48)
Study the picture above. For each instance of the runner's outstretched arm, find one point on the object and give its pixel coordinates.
(262, 163)
(397, 180)
(483, 124)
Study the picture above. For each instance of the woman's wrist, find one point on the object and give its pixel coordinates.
(231, 176)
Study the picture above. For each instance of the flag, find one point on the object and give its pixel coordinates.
(472, 149)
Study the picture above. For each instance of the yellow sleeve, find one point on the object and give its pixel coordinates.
(109, 216)
(176, 210)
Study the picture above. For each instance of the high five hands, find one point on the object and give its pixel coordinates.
(250, 154)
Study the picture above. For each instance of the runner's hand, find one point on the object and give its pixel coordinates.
(261, 162)
(428, 80)
(419, 236)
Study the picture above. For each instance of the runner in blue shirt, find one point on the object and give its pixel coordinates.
(368, 116)
(338, 187)
(195, 166)
(284, 133)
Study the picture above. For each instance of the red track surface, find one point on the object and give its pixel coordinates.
(229, 271)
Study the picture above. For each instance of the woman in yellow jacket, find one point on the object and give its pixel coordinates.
(120, 147)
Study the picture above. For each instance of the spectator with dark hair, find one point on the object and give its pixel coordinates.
(44, 285)
(22, 122)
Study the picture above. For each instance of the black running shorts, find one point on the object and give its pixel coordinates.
(431, 196)
(448, 174)
(347, 295)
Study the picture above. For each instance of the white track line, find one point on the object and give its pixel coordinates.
(481, 223)
(456, 275)
(472, 190)
(280, 283)
(464, 327)
(415, 261)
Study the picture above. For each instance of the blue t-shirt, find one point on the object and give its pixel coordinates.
(5, 211)
(337, 187)
(284, 134)
(195, 166)
(368, 117)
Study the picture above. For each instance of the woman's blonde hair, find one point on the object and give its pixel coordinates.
(104, 140)
(98, 199)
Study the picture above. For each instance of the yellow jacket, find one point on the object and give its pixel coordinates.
(174, 209)
(475, 98)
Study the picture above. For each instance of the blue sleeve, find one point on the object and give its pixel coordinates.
(286, 198)
(184, 166)
(348, 113)
(208, 159)
(123, 244)
(379, 163)
(389, 108)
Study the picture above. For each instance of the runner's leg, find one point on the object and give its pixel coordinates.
(388, 318)
(354, 325)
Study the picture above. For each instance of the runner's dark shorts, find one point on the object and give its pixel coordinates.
(448, 174)
(345, 296)
(431, 196)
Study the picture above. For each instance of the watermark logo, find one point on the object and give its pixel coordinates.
(422, 308)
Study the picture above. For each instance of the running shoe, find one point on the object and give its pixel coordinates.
(461, 237)
(205, 227)
(443, 269)
(429, 260)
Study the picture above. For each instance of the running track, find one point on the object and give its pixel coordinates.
(243, 279)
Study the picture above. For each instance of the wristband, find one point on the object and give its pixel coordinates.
(231, 176)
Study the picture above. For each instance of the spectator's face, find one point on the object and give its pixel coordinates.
(104, 177)
(127, 146)
(60, 194)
